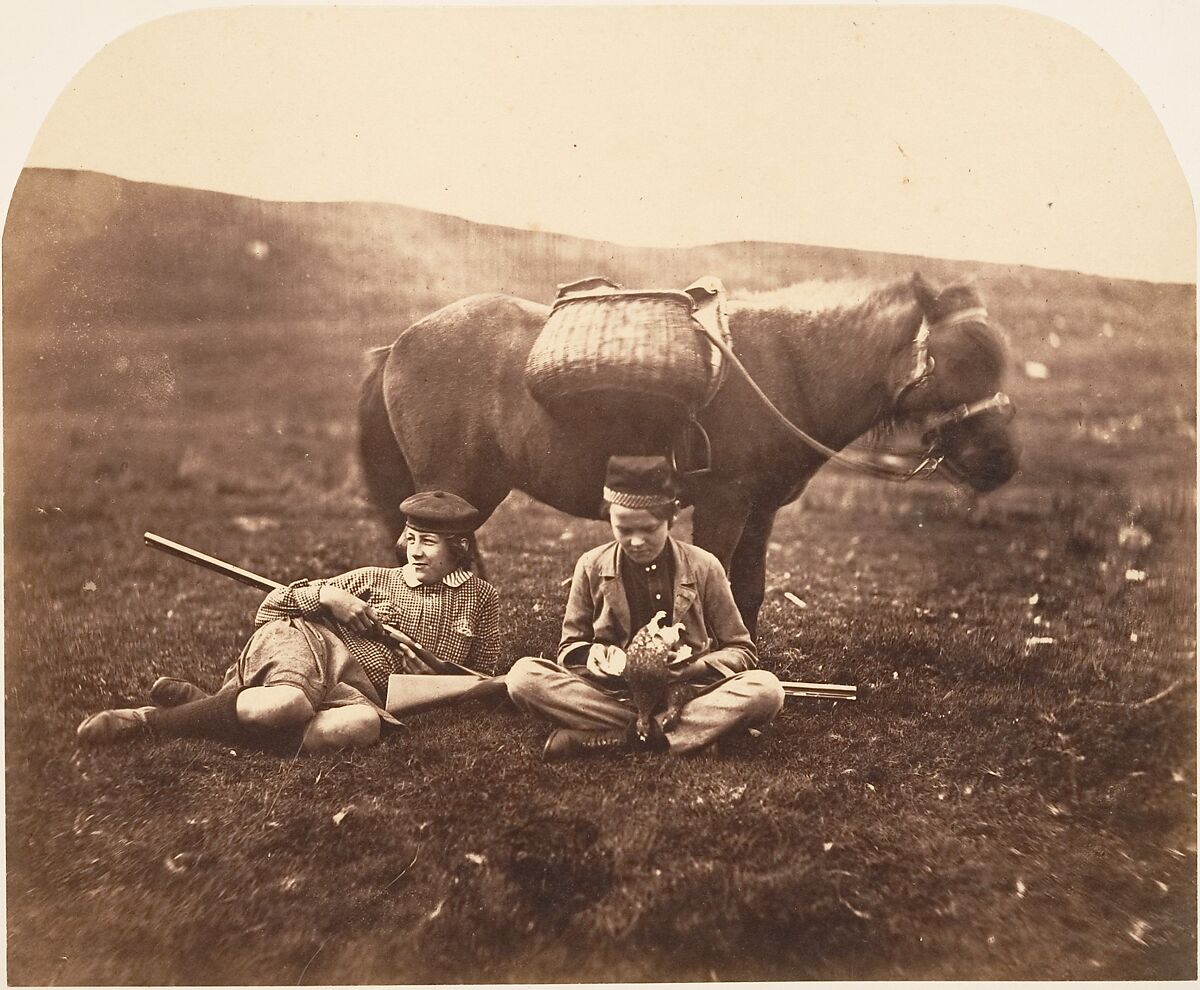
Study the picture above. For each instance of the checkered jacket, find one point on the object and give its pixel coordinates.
(457, 619)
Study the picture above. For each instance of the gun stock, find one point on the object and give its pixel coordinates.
(228, 570)
(807, 689)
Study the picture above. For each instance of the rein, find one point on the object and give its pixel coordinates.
(931, 458)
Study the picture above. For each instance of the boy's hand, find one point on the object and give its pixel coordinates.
(688, 671)
(408, 654)
(606, 662)
(350, 611)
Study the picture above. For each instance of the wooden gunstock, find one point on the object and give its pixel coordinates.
(266, 584)
(806, 689)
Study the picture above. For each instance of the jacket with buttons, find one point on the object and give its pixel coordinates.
(598, 609)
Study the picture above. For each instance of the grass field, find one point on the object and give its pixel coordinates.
(994, 807)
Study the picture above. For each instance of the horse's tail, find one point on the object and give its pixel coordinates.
(388, 479)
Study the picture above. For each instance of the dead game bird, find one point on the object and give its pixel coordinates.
(647, 658)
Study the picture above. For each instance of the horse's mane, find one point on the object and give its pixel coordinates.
(843, 306)
(851, 302)
(819, 295)
(824, 296)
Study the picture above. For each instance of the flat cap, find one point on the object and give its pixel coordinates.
(640, 482)
(440, 512)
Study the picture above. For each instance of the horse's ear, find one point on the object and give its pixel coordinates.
(925, 291)
(963, 293)
(969, 281)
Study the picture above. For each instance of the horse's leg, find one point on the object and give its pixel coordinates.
(384, 469)
(720, 514)
(388, 484)
(478, 567)
(748, 571)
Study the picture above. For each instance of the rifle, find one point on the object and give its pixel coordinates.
(266, 584)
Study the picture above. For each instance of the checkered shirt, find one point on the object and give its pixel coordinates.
(457, 619)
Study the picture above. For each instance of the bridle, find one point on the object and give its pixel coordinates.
(923, 363)
(934, 454)
(934, 457)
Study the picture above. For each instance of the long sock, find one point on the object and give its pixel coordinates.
(214, 717)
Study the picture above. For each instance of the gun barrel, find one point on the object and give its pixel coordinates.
(808, 689)
(211, 563)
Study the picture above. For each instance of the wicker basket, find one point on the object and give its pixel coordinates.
(611, 340)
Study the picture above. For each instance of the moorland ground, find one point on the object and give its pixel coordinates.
(1013, 797)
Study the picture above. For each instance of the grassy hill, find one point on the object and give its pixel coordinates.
(86, 246)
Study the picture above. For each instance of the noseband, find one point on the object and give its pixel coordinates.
(999, 402)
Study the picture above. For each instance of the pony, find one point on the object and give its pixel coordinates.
(446, 406)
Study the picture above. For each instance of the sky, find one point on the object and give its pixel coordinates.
(972, 132)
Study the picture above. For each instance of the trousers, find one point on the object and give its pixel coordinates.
(747, 700)
(308, 655)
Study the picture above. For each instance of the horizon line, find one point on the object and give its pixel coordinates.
(580, 237)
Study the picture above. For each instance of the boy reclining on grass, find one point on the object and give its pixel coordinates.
(616, 590)
(314, 674)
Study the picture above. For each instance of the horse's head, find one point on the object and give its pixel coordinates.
(958, 366)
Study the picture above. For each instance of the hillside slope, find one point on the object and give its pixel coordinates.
(86, 246)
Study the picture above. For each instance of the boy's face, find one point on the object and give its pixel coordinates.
(641, 534)
(430, 555)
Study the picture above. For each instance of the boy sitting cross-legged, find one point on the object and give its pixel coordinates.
(615, 591)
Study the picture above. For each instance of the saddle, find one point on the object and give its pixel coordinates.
(634, 353)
